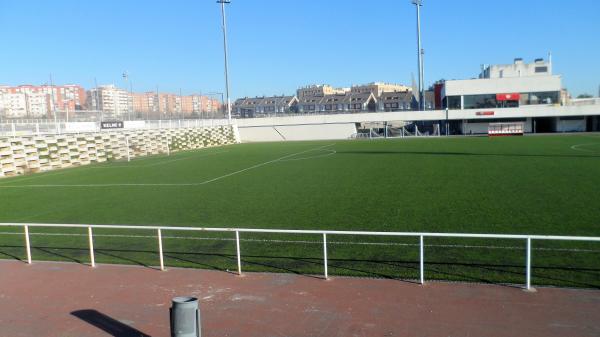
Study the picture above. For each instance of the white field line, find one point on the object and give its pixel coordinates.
(162, 162)
(185, 158)
(40, 175)
(357, 243)
(170, 184)
(66, 169)
(578, 146)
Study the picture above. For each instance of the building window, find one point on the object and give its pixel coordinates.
(453, 102)
(541, 69)
(392, 106)
(552, 97)
(480, 101)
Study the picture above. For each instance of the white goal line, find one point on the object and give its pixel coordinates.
(358, 243)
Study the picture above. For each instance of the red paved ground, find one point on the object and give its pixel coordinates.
(60, 299)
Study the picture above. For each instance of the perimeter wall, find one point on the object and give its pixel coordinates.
(31, 154)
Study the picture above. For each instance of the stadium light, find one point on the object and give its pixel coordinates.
(420, 54)
(223, 2)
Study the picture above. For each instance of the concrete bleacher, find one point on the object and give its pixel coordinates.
(31, 154)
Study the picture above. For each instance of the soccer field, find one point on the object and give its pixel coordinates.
(547, 185)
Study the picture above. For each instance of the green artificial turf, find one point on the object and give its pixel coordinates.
(547, 185)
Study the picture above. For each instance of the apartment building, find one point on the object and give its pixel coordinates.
(37, 105)
(319, 90)
(378, 88)
(30, 101)
(404, 100)
(199, 105)
(347, 102)
(3, 91)
(252, 107)
(144, 104)
(165, 105)
(68, 97)
(13, 105)
(115, 103)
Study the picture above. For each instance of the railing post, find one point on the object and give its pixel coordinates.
(422, 259)
(325, 255)
(528, 263)
(27, 245)
(160, 250)
(91, 240)
(237, 247)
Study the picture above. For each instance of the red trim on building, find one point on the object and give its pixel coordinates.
(437, 91)
(508, 97)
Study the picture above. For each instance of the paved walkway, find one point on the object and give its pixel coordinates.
(61, 299)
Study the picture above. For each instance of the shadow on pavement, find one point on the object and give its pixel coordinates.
(107, 324)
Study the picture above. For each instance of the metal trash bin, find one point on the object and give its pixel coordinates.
(185, 317)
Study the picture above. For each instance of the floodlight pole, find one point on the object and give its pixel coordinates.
(223, 2)
(447, 124)
(52, 106)
(129, 108)
(420, 54)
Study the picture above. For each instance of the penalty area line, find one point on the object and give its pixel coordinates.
(171, 184)
(164, 161)
(578, 147)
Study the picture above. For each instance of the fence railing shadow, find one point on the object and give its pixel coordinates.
(364, 267)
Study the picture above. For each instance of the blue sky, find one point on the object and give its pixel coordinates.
(278, 45)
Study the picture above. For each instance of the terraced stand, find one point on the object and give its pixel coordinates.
(31, 154)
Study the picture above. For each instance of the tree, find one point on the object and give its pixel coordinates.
(585, 96)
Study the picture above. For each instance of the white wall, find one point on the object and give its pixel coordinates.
(527, 112)
(81, 127)
(309, 127)
(297, 132)
(259, 134)
(503, 85)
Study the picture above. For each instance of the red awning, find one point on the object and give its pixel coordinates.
(508, 97)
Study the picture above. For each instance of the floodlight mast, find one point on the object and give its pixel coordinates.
(420, 54)
(223, 2)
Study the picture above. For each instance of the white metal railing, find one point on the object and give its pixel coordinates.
(27, 128)
(159, 231)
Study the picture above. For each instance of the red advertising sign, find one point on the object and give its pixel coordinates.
(485, 113)
(508, 97)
